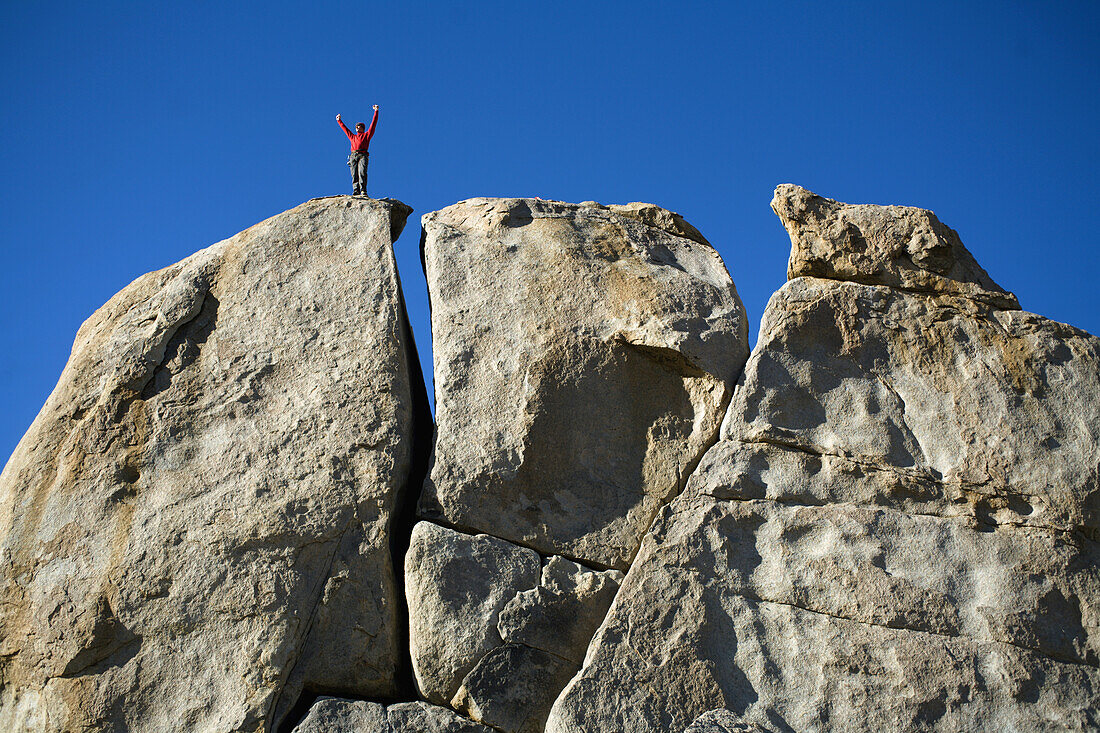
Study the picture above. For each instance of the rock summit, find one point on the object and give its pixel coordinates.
(235, 513)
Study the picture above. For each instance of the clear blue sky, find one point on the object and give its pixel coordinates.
(137, 133)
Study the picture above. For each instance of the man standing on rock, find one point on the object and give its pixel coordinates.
(357, 161)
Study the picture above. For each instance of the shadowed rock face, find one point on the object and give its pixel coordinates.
(495, 632)
(331, 715)
(197, 522)
(898, 529)
(583, 358)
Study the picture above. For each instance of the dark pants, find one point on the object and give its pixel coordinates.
(358, 163)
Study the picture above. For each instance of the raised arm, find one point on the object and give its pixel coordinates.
(373, 123)
(345, 127)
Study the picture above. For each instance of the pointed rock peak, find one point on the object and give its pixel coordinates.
(898, 246)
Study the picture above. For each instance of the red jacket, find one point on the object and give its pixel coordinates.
(362, 140)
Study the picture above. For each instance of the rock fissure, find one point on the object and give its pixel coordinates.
(182, 344)
(961, 493)
(804, 502)
(404, 515)
(1033, 650)
(941, 297)
(564, 660)
(472, 530)
(682, 480)
(280, 707)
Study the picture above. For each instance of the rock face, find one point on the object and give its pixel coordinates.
(456, 586)
(513, 687)
(899, 246)
(197, 523)
(331, 715)
(583, 359)
(494, 632)
(898, 529)
(560, 615)
(584, 356)
(895, 525)
(722, 721)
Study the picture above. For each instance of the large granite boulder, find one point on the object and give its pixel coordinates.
(456, 585)
(898, 529)
(584, 356)
(196, 526)
(496, 631)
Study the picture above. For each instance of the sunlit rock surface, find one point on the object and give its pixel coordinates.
(898, 529)
(583, 359)
(197, 523)
(895, 525)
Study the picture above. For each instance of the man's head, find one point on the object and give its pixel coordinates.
(359, 127)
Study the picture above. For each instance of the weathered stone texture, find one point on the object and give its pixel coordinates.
(583, 358)
(513, 687)
(202, 505)
(898, 530)
(495, 632)
(900, 246)
(722, 721)
(953, 406)
(332, 715)
(562, 613)
(456, 585)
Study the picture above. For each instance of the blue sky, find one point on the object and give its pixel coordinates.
(138, 133)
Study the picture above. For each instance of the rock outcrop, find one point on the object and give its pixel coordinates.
(494, 631)
(900, 246)
(197, 525)
(898, 529)
(584, 356)
(332, 715)
(895, 525)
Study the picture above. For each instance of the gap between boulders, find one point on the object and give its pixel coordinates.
(401, 524)
(404, 516)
